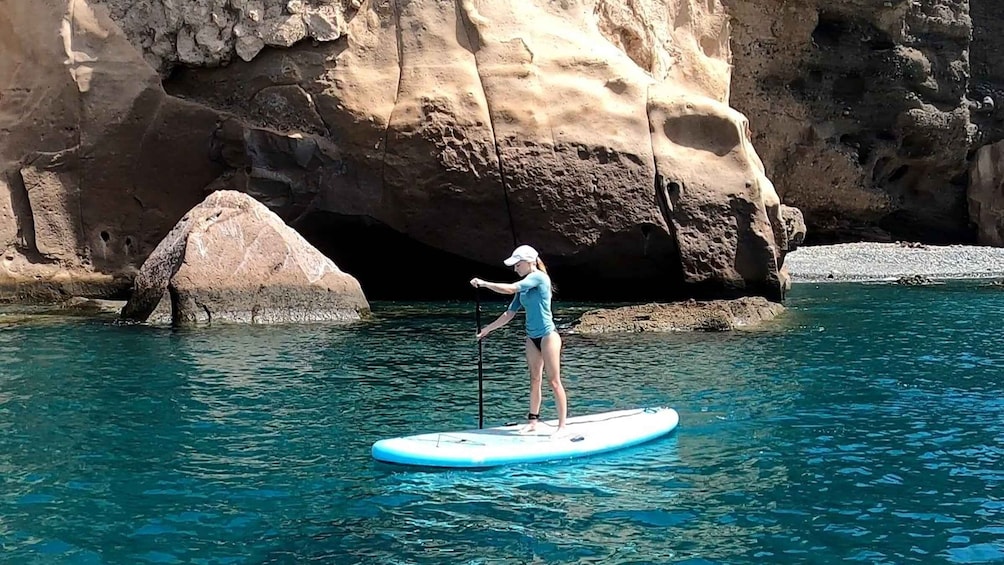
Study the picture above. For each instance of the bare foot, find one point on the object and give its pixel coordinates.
(529, 428)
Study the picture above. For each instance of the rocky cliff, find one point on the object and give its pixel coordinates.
(867, 113)
(97, 162)
(426, 132)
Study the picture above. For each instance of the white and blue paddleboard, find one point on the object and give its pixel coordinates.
(504, 445)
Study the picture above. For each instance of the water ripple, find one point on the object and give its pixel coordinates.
(864, 426)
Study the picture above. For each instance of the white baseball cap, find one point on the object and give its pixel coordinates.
(521, 253)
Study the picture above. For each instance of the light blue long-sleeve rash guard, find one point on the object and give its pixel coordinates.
(534, 295)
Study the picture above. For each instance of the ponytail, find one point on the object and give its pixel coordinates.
(542, 267)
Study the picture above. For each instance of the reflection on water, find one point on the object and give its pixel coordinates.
(864, 425)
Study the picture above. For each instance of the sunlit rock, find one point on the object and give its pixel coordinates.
(231, 259)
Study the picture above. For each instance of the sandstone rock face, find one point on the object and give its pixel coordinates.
(726, 221)
(597, 130)
(861, 112)
(231, 259)
(559, 124)
(96, 162)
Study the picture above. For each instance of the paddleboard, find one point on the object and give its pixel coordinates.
(505, 445)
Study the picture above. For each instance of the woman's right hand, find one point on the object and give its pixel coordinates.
(483, 334)
(476, 282)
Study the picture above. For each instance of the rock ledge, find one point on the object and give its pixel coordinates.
(691, 315)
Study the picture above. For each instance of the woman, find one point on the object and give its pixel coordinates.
(543, 344)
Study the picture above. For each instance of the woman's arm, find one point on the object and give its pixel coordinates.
(498, 323)
(501, 288)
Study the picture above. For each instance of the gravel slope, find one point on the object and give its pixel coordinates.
(881, 261)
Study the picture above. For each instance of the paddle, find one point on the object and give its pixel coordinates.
(481, 402)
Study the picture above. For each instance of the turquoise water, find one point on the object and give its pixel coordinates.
(866, 425)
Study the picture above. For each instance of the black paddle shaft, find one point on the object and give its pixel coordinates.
(481, 387)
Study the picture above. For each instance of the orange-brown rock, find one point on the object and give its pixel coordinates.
(96, 161)
(559, 124)
(231, 259)
(459, 128)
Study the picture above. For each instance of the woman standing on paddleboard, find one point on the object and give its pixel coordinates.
(543, 344)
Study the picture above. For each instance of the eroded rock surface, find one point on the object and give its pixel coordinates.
(862, 112)
(96, 161)
(597, 130)
(560, 124)
(986, 194)
(209, 33)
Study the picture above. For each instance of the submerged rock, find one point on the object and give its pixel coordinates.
(231, 259)
(691, 315)
(87, 306)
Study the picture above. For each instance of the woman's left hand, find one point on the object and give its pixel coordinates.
(476, 282)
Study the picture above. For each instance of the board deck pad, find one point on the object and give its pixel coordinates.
(503, 445)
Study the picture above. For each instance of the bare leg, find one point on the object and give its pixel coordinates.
(535, 361)
(552, 364)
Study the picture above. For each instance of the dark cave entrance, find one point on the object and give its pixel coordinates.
(392, 266)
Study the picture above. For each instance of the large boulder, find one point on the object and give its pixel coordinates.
(231, 259)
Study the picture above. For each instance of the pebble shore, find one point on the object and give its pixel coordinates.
(890, 261)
